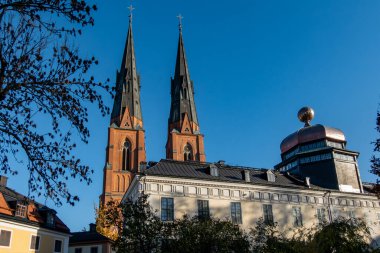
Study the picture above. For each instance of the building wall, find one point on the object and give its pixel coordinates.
(102, 248)
(116, 180)
(186, 192)
(348, 177)
(177, 142)
(22, 234)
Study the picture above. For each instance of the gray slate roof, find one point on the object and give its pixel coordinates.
(227, 173)
(87, 237)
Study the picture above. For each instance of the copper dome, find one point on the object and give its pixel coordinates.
(311, 133)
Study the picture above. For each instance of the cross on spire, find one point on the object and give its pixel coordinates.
(180, 17)
(130, 12)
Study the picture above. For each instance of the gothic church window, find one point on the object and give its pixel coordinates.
(126, 156)
(187, 153)
(123, 183)
(116, 186)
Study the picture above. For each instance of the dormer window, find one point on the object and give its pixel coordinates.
(50, 219)
(20, 210)
(270, 176)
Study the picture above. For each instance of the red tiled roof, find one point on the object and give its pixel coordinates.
(36, 212)
(4, 208)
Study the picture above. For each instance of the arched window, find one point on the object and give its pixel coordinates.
(187, 153)
(123, 183)
(126, 156)
(118, 184)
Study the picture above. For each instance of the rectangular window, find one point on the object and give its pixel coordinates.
(35, 242)
(268, 214)
(203, 209)
(236, 213)
(58, 246)
(337, 214)
(5, 238)
(167, 209)
(94, 249)
(50, 219)
(297, 216)
(321, 215)
(78, 250)
(351, 214)
(20, 210)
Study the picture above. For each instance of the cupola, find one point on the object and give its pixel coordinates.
(310, 133)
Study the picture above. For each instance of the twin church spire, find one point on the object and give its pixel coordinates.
(126, 136)
(126, 112)
(182, 90)
(185, 142)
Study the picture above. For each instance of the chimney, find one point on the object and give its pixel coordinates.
(142, 167)
(307, 181)
(92, 227)
(214, 171)
(271, 177)
(246, 176)
(3, 180)
(221, 162)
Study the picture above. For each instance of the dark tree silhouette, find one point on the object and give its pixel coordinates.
(188, 235)
(141, 230)
(375, 160)
(342, 235)
(44, 89)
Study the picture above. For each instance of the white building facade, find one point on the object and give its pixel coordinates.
(272, 196)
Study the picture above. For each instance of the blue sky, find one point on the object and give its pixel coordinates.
(254, 65)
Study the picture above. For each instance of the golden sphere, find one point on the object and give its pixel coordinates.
(305, 115)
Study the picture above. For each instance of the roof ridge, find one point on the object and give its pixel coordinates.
(183, 162)
(30, 200)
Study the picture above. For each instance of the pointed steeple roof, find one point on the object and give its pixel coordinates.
(127, 99)
(181, 68)
(182, 90)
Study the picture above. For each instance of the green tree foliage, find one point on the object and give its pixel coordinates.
(44, 89)
(189, 235)
(340, 236)
(141, 229)
(109, 219)
(266, 238)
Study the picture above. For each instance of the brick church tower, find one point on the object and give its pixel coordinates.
(185, 142)
(126, 136)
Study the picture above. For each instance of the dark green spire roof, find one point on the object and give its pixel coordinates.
(182, 90)
(127, 84)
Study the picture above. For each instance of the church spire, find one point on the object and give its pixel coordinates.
(126, 136)
(185, 142)
(182, 90)
(126, 112)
